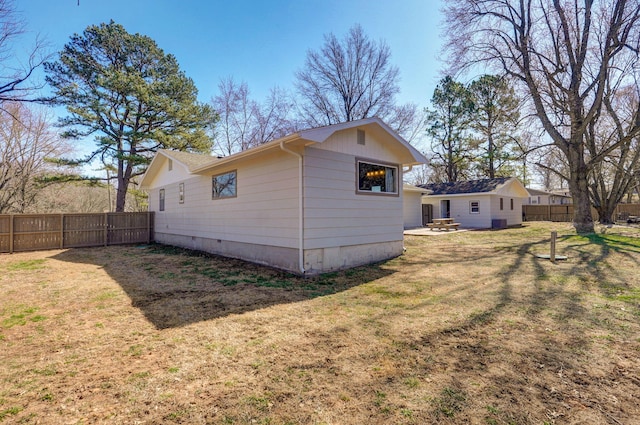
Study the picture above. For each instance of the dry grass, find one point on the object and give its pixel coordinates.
(464, 328)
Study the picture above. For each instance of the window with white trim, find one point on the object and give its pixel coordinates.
(377, 178)
(224, 185)
(474, 207)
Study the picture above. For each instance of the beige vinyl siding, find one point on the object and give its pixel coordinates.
(178, 173)
(346, 142)
(513, 217)
(461, 211)
(264, 212)
(334, 214)
(412, 209)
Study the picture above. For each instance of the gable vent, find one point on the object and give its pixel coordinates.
(361, 137)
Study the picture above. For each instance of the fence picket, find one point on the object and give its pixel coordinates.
(564, 213)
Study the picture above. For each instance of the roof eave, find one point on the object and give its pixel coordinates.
(247, 153)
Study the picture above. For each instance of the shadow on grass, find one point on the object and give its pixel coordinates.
(555, 318)
(175, 287)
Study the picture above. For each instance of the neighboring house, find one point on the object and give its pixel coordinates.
(479, 204)
(541, 197)
(322, 199)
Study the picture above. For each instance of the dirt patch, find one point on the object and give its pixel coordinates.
(464, 328)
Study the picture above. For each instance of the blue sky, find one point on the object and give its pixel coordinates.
(260, 42)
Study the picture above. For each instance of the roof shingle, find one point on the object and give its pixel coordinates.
(469, 186)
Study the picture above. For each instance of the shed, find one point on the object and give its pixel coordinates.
(318, 200)
(485, 203)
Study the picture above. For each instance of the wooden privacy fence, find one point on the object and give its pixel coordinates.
(33, 232)
(565, 212)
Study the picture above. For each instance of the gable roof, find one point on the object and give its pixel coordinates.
(188, 159)
(202, 164)
(498, 185)
(320, 135)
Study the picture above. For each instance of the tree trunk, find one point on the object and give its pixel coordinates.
(124, 176)
(605, 212)
(121, 194)
(579, 187)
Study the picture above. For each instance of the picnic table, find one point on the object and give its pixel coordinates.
(443, 224)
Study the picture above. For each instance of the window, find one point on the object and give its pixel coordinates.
(181, 193)
(377, 178)
(161, 200)
(501, 204)
(474, 207)
(511, 201)
(224, 185)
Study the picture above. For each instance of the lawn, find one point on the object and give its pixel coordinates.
(468, 327)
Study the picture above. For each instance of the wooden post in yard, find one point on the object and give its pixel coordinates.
(552, 256)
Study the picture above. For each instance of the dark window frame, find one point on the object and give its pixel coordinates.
(363, 181)
(219, 193)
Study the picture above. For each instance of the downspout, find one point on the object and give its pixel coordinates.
(300, 207)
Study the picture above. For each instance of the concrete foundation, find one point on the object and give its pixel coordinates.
(316, 261)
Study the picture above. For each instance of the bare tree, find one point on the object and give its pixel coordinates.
(16, 73)
(613, 178)
(26, 144)
(350, 79)
(274, 117)
(245, 123)
(236, 111)
(565, 54)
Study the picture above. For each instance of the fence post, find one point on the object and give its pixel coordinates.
(61, 231)
(106, 229)
(11, 234)
(148, 227)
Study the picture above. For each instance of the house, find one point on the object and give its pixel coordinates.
(322, 199)
(541, 197)
(486, 203)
